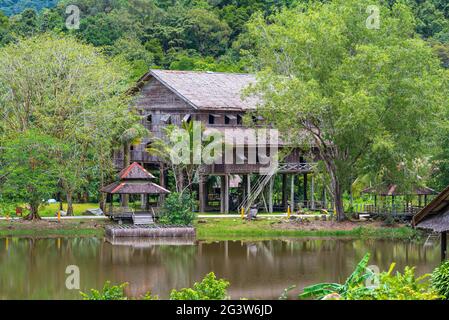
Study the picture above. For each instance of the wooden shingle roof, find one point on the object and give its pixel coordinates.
(134, 179)
(434, 216)
(135, 172)
(207, 90)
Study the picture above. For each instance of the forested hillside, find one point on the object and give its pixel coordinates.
(184, 34)
(11, 7)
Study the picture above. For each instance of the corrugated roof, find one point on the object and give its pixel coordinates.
(208, 90)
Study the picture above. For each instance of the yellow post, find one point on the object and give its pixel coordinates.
(242, 212)
(288, 212)
(59, 215)
(7, 244)
(58, 243)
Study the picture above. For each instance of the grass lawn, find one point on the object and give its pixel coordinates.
(66, 228)
(216, 228)
(278, 227)
(50, 210)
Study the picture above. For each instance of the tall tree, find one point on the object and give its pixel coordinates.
(70, 91)
(367, 98)
(29, 162)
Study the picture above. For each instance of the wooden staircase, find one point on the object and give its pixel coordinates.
(432, 239)
(142, 218)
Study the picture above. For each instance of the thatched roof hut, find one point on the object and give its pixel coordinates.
(435, 217)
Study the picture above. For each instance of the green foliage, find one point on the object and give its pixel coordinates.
(403, 286)
(109, 292)
(440, 279)
(354, 283)
(11, 7)
(366, 95)
(364, 284)
(208, 289)
(177, 209)
(69, 91)
(29, 163)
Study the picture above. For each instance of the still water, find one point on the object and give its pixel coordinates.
(35, 268)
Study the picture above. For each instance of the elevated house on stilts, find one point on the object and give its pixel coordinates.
(165, 98)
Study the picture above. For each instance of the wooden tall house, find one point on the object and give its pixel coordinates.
(170, 97)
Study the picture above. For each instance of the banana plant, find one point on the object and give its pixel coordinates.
(354, 283)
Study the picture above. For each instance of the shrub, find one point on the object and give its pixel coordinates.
(208, 289)
(387, 286)
(177, 209)
(440, 280)
(401, 286)
(107, 293)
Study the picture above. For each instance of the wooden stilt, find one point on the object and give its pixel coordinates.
(284, 191)
(270, 195)
(312, 196)
(304, 190)
(292, 193)
(226, 195)
(222, 194)
(248, 184)
(443, 245)
(202, 193)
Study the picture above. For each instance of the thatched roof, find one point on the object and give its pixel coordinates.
(435, 216)
(206, 90)
(135, 172)
(134, 188)
(393, 190)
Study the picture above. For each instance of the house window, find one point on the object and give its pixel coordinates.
(166, 118)
(187, 118)
(149, 119)
(229, 118)
(239, 119)
(211, 119)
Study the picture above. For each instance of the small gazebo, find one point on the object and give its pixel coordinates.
(133, 180)
(392, 190)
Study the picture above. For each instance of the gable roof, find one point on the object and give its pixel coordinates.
(207, 90)
(135, 171)
(435, 215)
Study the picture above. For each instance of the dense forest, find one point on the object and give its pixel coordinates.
(12, 7)
(184, 34)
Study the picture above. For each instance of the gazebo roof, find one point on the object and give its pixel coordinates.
(134, 180)
(434, 216)
(135, 172)
(393, 190)
(134, 188)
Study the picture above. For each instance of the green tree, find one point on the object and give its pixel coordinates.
(30, 164)
(367, 99)
(70, 91)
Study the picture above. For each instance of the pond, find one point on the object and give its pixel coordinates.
(35, 268)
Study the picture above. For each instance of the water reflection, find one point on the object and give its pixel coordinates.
(35, 268)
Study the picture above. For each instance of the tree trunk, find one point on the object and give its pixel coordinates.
(34, 212)
(336, 190)
(69, 204)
